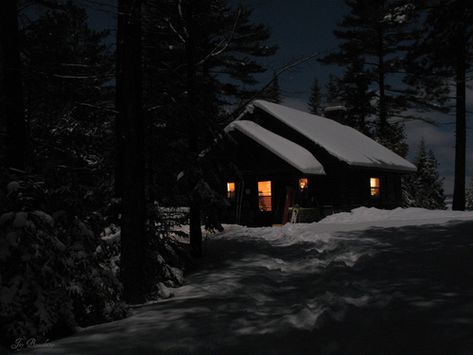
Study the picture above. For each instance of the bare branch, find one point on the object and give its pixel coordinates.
(171, 26)
(276, 75)
(240, 108)
(153, 108)
(224, 43)
(181, 16)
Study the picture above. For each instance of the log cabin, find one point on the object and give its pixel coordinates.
(299, 167)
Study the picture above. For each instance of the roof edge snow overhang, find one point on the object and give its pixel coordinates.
(385, 167)
(292, 153)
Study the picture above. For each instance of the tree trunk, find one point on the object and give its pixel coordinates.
(15, 126)
(195, 232)
(460, 105)
(131, 167)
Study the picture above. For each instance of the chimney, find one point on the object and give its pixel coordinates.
(336, 113)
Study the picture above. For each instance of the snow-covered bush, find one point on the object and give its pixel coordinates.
(166, 258)
(52, 276)
(166, 255)
(60, 260)
(35, 277)
(94, 288)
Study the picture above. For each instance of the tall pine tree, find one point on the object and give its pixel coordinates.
(273, 91)
(332, 92)
(206, 57)
(68, 96)
(315, 98)
(356, 96)
(442, 54)
(227, 46)
(424, 188)
(379, 33)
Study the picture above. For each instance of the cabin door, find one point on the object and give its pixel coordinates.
(288, 202)
(265, 203)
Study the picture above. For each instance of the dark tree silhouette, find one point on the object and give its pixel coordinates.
(16, 139)
(315, 98)
(206, 57)
(356, 95)
(332, 92)
(130, 134)
(424, 188)
(273, 92)
(444, 51)
(379, 32)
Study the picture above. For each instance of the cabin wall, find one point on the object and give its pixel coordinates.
(325, 195)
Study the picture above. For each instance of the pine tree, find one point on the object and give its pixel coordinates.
(273, 92)
(393, 138)
(357, 96)
(315, 98)
(379, 33)
(205, 56)
(332, 92)
(444, 52)
(469, 196)
(68, 95)
(425, 187)
(228, 46)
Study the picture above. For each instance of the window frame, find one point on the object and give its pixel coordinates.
(306, 186)
(262, 206)
(375, 188)
(231, 194)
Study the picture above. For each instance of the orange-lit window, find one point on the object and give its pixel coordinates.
(231, 190)
(264, 196)
(375, 187)
(303, 184)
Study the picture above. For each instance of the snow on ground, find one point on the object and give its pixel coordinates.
(404, 216)
(365, 282)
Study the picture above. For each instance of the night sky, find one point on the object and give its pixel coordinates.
(304, 27)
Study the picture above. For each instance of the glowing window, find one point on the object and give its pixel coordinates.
(264, 196)
(230, 190)
(303, 184)
(375, 187)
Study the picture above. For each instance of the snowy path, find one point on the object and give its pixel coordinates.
(310, 289)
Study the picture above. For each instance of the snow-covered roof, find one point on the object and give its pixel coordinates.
(297, 156)
(342, 142)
